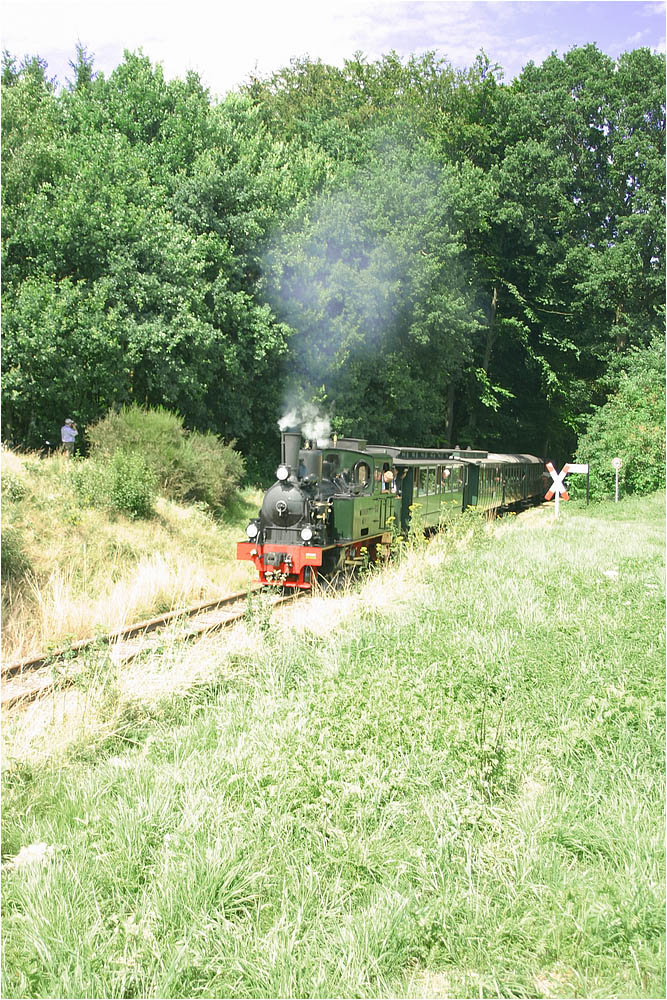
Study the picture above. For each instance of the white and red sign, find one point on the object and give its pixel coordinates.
(558, 488)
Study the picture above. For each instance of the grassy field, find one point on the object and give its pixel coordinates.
(447, 784)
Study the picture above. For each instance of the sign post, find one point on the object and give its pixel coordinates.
(616, 465)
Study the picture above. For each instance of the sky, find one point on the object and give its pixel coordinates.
(225, 42)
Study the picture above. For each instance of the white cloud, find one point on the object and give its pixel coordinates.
(224, 43)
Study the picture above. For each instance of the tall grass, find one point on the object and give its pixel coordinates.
(73, 571)
(456, 789)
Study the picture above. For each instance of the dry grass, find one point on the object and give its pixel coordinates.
(88, 573)
(89, 711)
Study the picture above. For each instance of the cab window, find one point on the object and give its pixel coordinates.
(362, 473)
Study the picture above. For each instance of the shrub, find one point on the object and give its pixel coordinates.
(13, 486)
(156, 435)
(124, 483)
(90, 481)
(630, 425)
(132, 486)
(14, 560)
(215, 469)
(187, 465)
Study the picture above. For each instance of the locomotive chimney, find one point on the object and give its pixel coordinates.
(290, 443)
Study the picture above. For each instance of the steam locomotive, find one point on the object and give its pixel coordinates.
(335, 504)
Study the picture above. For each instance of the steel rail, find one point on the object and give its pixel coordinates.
(41, 659)
(209, 623)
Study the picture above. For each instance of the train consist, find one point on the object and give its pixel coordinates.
(336, 505)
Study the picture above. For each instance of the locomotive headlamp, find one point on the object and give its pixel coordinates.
(252, 531)
(282, 473)
(307, 533)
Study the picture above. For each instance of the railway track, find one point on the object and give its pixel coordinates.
(25, 680)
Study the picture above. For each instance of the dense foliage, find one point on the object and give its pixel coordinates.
(630, 426)
(429, 255)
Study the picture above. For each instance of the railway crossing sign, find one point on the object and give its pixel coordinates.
(558, 490)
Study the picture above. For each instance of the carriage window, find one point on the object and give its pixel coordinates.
(420, 482)
(430, 474)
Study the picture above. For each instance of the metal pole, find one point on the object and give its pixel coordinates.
(616, 500)
(588, 483)
(557, 499)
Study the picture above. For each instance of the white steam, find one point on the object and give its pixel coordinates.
(314, 424)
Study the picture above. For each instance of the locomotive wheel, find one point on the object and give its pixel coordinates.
(333, 574)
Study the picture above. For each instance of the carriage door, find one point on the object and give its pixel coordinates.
(386, 508)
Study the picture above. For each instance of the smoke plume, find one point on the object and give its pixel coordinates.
(314, 424)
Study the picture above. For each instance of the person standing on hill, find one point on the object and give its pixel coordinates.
(68, 433)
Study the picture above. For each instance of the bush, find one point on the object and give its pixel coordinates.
(132, 486)
(13, 486)
(14, 560)
(215, 469)
(124, 484)
(187, 465)
(630, 425)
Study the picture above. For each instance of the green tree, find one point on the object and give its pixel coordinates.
(630, 426)
(60, 357)
(137, 198)
(564, 235)
(442, 256)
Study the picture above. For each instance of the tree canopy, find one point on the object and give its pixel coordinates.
(431, 255)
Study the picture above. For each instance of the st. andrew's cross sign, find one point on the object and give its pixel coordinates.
(558, 490)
